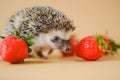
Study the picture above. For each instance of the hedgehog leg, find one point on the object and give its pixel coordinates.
(40, 54)
(50, 51)
(30, 56)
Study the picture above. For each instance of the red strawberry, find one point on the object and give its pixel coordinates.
(13, 49)
(92, 47)
(70, 53)
(74, 45)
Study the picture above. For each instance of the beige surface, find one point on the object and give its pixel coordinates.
(90, 17)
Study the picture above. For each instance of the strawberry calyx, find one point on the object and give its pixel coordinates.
(107, 44)
(102, 44)
(29, 42)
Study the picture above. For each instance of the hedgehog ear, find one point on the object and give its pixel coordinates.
(73, 28)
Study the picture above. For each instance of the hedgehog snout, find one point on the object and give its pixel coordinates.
(66, 46)
(61, 44)
(67, 49)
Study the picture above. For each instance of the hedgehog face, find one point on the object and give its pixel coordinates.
(59, 40)
(63, 45)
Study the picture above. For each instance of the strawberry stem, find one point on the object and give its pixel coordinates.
(115, 46)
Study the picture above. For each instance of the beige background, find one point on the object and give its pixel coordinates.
(90, 17)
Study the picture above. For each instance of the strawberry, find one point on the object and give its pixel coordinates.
(13, 49)
(74, 44)
(69, 53)
(92, 48)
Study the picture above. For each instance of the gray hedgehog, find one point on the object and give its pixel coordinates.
(50, 28)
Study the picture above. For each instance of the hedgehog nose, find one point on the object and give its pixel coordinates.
(67, 49)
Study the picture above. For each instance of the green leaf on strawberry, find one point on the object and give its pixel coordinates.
(115, 47)
(29, 41)
(102, 44)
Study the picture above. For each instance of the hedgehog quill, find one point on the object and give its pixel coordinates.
(49, 27)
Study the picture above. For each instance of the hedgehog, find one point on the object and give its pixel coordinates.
(49, 27)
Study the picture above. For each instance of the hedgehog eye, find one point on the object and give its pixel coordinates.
(56, 38)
